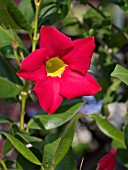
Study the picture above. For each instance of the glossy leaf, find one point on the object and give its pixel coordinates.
(53, 11)
(21, 148)
(118, 144)
(8, 88)
(66, 140)
(16, 14)
(23, 164)
(109, 129)
(54, 120)
(67, 163)
(49, 152)
(27, 138)
(7, 147)
(35, 141)
(121, 73)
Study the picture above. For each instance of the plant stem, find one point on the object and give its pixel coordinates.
(3, 164)
(24, 93)
(23, 102)
(35, 36)
(15, 46)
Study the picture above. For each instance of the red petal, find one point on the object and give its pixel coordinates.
(74, 84)
(47, 91)
(108, 161)
(79, 57)
(54, 41)
(33, 66)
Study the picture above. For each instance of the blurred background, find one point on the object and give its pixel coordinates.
(107, 21)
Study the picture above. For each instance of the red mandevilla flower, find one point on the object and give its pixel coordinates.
(59, 68)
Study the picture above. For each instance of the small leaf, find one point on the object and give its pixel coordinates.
(49, 152)
(109, 129)
(67, 163)
(121, 73)
(4, 119)
(55, 120)
(16, 14)
(23, 164)
(21, 148)
(8, 88)
(7, 147)
(53, 11)
(66, 140)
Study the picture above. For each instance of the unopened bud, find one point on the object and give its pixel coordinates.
(36, 1)
(23, 93)
(14, 44)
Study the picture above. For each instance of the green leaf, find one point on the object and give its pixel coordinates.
(5, 18)
(26, 8)
(35, 141)
(55, 120)
(7, 71)
(49, 151)
(66, 140)
(8, 88)
(122, 157)
(109, 129)
(67, 163)
(7, 147)
(121, 73)
(7, 36)
(53, 11)
(23, 164)
(4, 119)
(28, 139)
(18, 17)
(21, 148)
(126, 135)
(118, 144)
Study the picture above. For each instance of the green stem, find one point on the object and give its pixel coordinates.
(23, 102)
(3, 164)
(24, 94)
(15, 46)
(35, 36)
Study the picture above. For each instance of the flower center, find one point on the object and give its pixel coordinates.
(55, 67)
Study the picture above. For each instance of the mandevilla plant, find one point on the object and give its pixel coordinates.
(59, 107)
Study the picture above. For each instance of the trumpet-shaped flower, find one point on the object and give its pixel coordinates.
(59, 68)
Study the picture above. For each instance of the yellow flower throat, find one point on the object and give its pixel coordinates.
(55, 67)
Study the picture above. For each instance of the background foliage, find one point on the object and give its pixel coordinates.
(51, 136)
